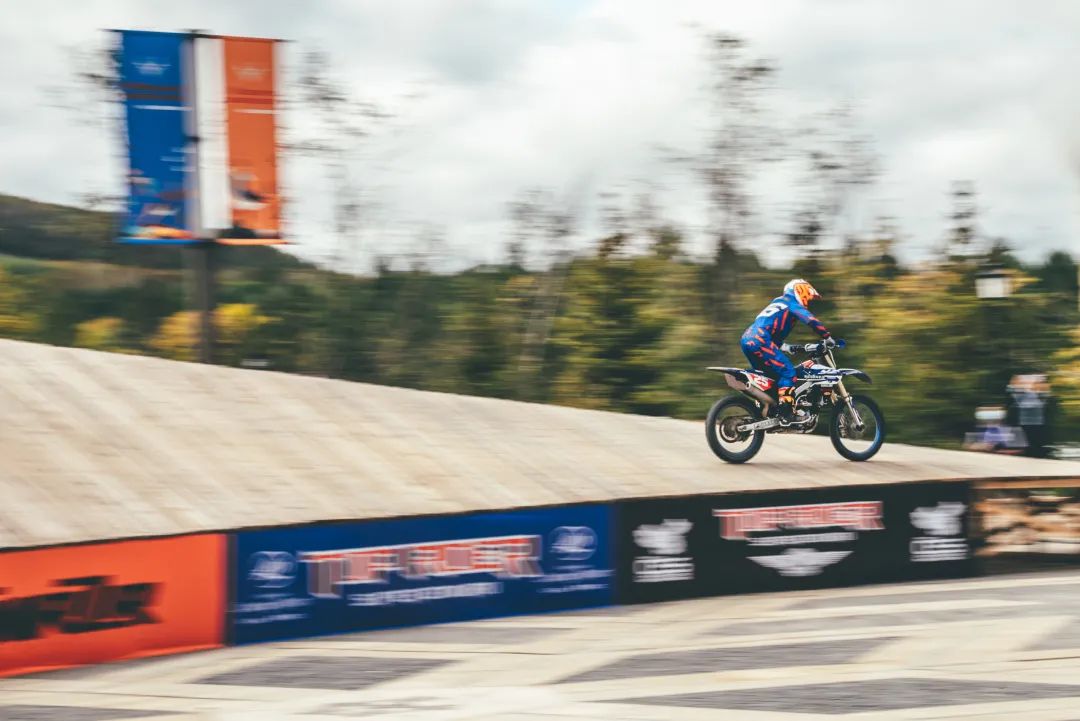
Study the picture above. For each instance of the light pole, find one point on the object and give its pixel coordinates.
(993, 286)
(993, 283)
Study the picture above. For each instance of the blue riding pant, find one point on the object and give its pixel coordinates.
(766, 356)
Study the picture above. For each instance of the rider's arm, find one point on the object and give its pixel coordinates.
(807, 317)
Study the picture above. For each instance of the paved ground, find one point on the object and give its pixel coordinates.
(997, 649)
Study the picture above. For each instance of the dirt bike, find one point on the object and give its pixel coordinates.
(736, 425)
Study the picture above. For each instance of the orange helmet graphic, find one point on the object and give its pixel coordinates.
(803, 291)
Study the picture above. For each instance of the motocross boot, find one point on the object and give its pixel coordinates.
(787, 412)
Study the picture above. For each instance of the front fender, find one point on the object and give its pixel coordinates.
(852, 373)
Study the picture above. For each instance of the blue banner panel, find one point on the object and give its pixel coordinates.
(152, 78)
(325, 579)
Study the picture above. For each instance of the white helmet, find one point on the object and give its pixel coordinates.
(803, 291)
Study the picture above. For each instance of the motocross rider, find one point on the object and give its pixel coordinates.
(760, 342)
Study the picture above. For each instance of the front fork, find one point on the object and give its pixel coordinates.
(846, 397)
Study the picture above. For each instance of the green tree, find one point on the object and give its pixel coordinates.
(239, 328)
(603, 337)
(1066, 386)
(177, 337)
(19, 318)
(101, 334)
(1058, 276)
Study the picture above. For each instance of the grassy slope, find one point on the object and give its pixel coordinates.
(46, 231)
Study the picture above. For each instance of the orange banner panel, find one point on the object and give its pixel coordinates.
(250, 109)
(106, 601)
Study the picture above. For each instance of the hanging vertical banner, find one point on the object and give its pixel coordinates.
(152, 78)
(202, 138)
(250, 114)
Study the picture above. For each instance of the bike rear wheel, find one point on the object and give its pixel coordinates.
(861, 439)
(725, 441)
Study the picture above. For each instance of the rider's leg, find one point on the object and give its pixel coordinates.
(751, 348)
(766, 356)
(759, 352)
(785, 379)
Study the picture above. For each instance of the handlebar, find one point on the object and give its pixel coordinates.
(814, 349)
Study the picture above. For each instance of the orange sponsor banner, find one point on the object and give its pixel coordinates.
(251, 113)
(76, 605)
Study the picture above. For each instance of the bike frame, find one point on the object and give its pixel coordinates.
(808, 382)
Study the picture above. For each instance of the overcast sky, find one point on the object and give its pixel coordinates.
(582, 96)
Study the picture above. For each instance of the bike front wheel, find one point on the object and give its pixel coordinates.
(721, 429)
(857, 436)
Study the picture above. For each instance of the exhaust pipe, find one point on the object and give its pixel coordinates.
(749, 390)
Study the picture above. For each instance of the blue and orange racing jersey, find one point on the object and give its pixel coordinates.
(776, 321)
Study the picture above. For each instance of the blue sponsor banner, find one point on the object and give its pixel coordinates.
(295, 582)
(152, 78)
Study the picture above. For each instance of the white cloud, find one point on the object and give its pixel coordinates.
(576, 96)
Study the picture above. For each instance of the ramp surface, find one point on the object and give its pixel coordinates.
(98, 445)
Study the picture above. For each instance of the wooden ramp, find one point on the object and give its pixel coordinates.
(98, 445)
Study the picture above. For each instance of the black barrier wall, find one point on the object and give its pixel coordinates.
(659, 546)
(669, 549)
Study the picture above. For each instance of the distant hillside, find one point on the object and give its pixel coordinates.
(46, 231)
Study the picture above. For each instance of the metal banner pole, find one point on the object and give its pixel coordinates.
(204, 265)
(205, 292)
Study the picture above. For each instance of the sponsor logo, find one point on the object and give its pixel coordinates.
(272, 569)
(801, 562)
(79, 605)
(151, 66)
(664, 543)
(737, 523)
(426, 594)
(944, 519)
(943, 526)
(571, 547)
(667, 538)
(798, 529)
(328, 572)
(573, 543)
